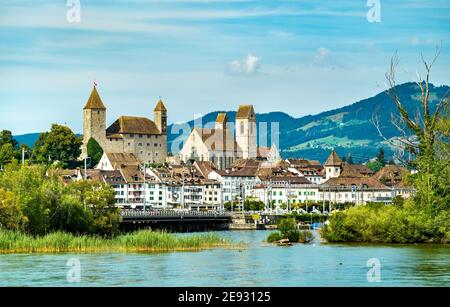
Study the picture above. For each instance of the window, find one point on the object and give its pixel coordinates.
(140, 136)
(242, 128)
(131, 135)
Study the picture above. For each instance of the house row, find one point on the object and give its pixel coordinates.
(200, 185)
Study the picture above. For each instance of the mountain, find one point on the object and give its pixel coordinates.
(348, 129)
(28, 139)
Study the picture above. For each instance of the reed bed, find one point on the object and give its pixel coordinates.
(140, 241)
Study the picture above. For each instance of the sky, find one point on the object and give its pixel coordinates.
(299, 57)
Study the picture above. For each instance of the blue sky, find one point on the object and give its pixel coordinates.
(300, 57)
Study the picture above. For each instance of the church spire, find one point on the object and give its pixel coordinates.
(94, 101)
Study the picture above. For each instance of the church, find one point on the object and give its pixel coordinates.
(221, 146)
(144, 138)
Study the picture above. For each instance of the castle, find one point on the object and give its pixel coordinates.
(144, 138)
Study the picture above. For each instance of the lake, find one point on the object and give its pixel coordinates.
(260, 264)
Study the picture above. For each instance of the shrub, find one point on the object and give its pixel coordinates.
(387, 224)
(274, 237)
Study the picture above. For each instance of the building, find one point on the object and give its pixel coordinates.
(144, 138)
(222, 147)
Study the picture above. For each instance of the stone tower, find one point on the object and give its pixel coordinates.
(333, 166)
(246, 131)
(94, 121)
(160, 116)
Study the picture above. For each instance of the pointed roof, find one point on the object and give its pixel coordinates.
(245, 112)
(333, 160)
(160, 106)
(94, 101)
(222, 118)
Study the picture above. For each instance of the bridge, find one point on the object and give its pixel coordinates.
(176, 220)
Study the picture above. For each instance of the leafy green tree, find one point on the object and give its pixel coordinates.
(426, 130)
(94, 151)
(7, 153)
(60, 144)
(375, 166)
(380, 157)
(7, 138)
(100, 199)
(11, 216)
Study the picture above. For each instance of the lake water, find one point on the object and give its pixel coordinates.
(260, 264)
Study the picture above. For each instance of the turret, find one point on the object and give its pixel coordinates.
(160, 116)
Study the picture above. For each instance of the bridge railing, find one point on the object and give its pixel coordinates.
(172, 213)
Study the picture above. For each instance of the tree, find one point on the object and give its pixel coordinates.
(11, 216)
(375, 166)
(7, 138)
(6, 153)
(100, 199)
(427, 135)
(380, 157)
(94, 151)
(59, 144)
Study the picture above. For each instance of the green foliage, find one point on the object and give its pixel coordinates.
(253, 205)
(305, 236)
(388, 224)
(315, 218)
(7, 138)
(94, 151)
(49, 205)
(380, 157)
(375, 166)
(7, 153)
(60, 144)
(141, 241)
(274, 237)
(10, 215)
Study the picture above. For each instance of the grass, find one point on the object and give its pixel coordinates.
(140, 241)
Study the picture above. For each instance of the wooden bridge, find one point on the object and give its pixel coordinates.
(176, 220)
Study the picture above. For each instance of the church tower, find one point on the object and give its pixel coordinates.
(160, 116)
(246, 131)
(333, 166)
(94, 121)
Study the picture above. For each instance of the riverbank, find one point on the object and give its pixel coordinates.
(141, 241)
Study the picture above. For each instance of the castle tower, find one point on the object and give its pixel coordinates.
(246, 131)
(333, 166)
(160, 116)
(94, 121)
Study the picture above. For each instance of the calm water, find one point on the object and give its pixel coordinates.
(260, 264)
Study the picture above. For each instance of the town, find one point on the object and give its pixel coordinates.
(218, 169)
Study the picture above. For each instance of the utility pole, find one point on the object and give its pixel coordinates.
(85, 167)
(145, 188)
(23, 156)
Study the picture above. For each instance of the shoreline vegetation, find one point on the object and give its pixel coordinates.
(15, 242)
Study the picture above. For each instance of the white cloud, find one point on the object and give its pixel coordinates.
(248, 66)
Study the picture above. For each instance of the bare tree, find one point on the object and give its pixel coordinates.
(423, 125)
